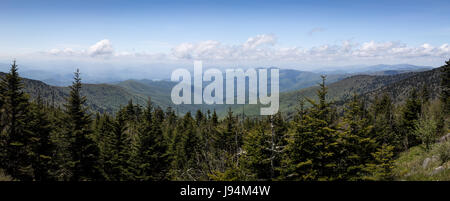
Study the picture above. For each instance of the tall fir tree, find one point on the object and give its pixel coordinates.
(185, 150)
(409, 115)
(121, 150)
(15, 138)
(445, 87)
(357, 141)
(43, 147)
(83, 149)
(311, 152)
(152, 148)
(383, 121)
(257, 153)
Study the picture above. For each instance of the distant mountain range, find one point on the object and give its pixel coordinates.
(396, 80)
(290, 79)
(398, 86)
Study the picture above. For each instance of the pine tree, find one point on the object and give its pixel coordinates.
(382, 165)
(311, 153)
(104, 132)
(121, 149)
(410, 115)
(84, 151)
(257, 154)
(185, 150)
(229, 139)
(214, 118)
(152, 148)
(383, 121)
(356, 141)
(42, 145)
(15, 139)
(199, 117)
(445, 87)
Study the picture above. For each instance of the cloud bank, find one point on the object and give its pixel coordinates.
(263, 48)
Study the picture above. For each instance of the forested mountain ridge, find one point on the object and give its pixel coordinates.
(101, 97)
(397, 85)
(110, 97)
(401, 89)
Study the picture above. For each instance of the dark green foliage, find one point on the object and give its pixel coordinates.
(84, 151)
(257, 155)
(383, 121)
(409, 116)
(357, 141)
(152, 151)
(311, 153)
(42, 146)
(445, 86)
(15, 138)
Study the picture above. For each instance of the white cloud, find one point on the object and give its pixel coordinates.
(101, 48)
(259, 40)
(65, 51)
(263, 49)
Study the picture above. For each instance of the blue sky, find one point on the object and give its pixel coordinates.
(284, 33)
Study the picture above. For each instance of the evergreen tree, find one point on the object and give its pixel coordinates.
(311, 153)
(120, 162)
(356, 141)
(382, 165)
(152, 147)
(186, 150)
(104, 132)
(383, 121)
(214, 118)
(257, 157)
(43, 148)
(229, 139)
(445, 87)
(199, 117)
(84, 151)
(15, 139)
(409, 116)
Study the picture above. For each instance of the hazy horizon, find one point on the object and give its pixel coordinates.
(156, 37)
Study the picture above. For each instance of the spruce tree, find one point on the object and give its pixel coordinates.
(121, 149)
(357, 142)
(152, 147)
(258, 155)
(383, 121)
(15, 138)
(445, 87)
(84, 151)
(311, 152)
(382, 165)
(185, 150)
(214, 118)
(409, 116)
(43, 147)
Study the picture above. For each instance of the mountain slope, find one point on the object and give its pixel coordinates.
(398, 86)
(100, 97)
(109, 98)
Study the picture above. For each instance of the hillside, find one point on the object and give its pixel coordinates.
(110, 97)
(417, 164)
(398, 85)
(100, 97)
(293, 79)
(401, 89)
